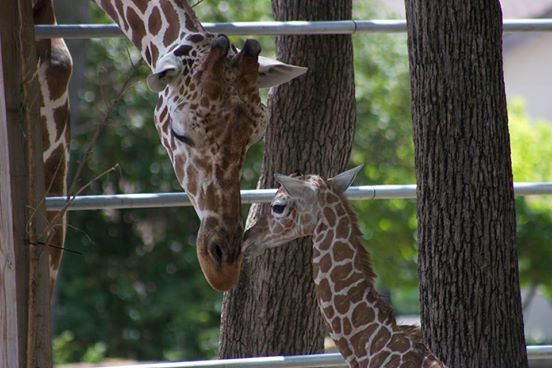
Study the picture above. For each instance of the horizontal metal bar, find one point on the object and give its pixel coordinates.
(80, 31)
(534, 353)
(151, 200)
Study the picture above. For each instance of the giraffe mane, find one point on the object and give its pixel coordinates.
(191, 16)
(366, 259)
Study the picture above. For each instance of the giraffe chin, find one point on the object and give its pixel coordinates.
(221, 276)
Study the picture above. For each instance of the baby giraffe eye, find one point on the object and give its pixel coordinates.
(278, 208)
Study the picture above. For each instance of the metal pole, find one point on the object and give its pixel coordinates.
(152, 200)
(83, 31)
(536, 355)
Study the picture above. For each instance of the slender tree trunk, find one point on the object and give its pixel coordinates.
(469, 288)
(273, 309)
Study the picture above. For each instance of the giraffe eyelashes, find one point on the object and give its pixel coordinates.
(182, 138)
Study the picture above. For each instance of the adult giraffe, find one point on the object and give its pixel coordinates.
(359, 319)
(208, 114)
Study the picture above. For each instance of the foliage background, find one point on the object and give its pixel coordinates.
(136, 290)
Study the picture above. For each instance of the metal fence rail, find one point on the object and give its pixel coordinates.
(152, 200)
(278, 28)
(536, 354)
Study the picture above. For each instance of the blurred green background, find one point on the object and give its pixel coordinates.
(136, 290)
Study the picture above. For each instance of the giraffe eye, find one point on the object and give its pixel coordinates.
(278, 208)
(182, 138)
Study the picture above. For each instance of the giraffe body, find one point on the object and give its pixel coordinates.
(54, 71)
(359, 320)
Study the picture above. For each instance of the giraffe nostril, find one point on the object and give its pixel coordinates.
(216, 252)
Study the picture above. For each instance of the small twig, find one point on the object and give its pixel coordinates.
(41, 244)
(197, 3)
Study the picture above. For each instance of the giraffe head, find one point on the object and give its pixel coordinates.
(295, 210)
(210, 115)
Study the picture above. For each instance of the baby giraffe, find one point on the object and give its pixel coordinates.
(359, 319)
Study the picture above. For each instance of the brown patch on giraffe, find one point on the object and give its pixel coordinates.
(326, 263)
(173, 30)
(61, 116)
(342, 253)
(347, 327)
(377, 360)
(358, 342)
(329, 312)
(191, 172)
(400, 342)
(154, 52)
(336, 325)
(394, 361)
(45, 135)
(327, 241)
(147, 54)
(362, 315)
(340, 272)
(121, 14)
(109, 9)
(341, 303)
(154, 22)
(343, 230)
(352, 279)
(195, 37)
(331, 198)
(211, 196)
(329, 214)
(55, 168)
(324, 291)
(183, 50)
(141, 4)
(380, 340)
(189, 23)
(412, 359)
(137, 26)
(343, 347)
(58, 73)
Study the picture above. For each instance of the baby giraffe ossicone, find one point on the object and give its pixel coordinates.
(360, 321)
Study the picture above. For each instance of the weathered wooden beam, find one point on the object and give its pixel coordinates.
(25, 317)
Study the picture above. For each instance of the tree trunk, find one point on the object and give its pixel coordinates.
(273, 310)
(469, 288)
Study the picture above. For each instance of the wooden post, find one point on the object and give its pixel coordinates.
(25, 318)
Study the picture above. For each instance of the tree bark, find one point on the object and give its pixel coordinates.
(273, 308)
(469, 287)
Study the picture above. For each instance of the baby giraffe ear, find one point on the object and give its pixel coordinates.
(293, 186)
(273, 72)
(342, 181)
(167, 69)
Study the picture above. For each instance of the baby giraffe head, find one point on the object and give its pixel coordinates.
(295, 210)
(210, 113)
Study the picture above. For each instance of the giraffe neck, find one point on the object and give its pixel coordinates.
(152, 26)
(359, 319)
(54, 71)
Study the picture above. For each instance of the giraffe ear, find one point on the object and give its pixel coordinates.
(167, 68)
(294, 186)
(342, 181)
(273, 72)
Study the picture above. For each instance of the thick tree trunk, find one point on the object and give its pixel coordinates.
(469, 288)
(273, 309)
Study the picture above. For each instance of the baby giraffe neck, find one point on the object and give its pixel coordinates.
(361, 323)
